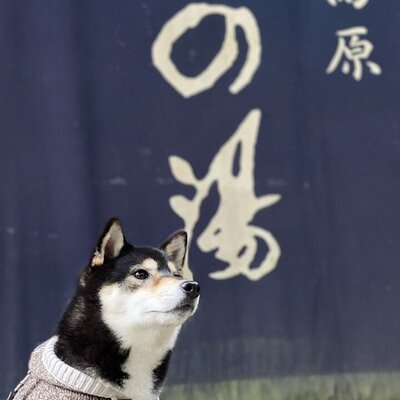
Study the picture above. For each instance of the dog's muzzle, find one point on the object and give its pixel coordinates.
(191, 288)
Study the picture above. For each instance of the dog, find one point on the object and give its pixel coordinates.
(116, 337)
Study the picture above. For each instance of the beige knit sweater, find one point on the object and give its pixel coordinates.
(49, 378)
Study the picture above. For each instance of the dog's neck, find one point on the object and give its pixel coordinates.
(147, 363)
(136, 363)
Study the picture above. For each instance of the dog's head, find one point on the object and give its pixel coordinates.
(139, 286)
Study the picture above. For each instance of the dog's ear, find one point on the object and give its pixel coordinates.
(110, 243)
(175, 248)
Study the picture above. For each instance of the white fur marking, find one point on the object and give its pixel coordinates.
(150, 264)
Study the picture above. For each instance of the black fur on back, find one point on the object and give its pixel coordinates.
(85, 341)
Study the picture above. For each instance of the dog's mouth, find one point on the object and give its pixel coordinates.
(179, 309)
(183, 307)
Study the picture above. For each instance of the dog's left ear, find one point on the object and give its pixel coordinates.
(175, 248)
(110, 243)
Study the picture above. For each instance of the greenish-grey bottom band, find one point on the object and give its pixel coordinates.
(358, 386)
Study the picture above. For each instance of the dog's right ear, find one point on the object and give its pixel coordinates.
(110, 243)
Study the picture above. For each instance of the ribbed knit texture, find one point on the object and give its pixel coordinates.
(73, 378)
(49, 378)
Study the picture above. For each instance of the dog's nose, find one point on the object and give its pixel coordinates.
(191, 288)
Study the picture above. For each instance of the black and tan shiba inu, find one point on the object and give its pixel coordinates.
(116, 336)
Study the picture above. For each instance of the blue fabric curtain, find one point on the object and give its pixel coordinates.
(288, 183)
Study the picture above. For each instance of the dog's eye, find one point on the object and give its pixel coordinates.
(141, 274)
(176, 275)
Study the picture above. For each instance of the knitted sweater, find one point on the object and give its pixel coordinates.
(49, 378)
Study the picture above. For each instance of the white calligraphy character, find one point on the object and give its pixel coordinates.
(351, 49)
(358, 4)
(230, 232)
(189, 18)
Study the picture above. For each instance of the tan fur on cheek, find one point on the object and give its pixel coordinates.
(131, 283)
(108, 291)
